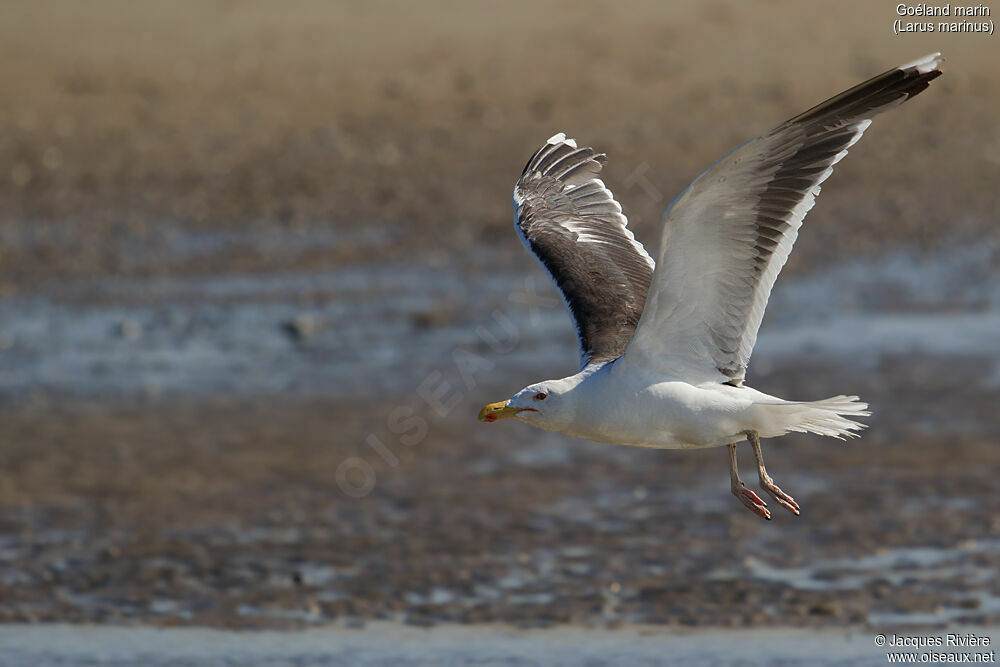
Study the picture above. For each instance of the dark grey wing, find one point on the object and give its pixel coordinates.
(571, 222)
(727, 236)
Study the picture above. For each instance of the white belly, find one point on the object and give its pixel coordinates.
(664, 414)
(644, 409)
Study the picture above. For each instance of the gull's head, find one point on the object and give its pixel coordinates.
(543, 404)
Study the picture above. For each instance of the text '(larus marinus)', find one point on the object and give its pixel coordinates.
(664, 346)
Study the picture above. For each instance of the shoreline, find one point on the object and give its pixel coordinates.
(383, 642)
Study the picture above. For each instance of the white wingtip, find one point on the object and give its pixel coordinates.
(560, 138)
(926, 64)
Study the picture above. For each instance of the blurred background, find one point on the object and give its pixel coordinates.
(258, 274)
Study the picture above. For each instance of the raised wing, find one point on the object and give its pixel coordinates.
(727, 236)
(571, 222)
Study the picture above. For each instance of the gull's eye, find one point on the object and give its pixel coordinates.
(540, 396)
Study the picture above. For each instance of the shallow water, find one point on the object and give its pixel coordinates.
(317, 334)
(388, 643)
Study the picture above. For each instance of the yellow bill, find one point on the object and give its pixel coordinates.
(495, 411)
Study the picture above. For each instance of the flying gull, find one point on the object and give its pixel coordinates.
(664, 346)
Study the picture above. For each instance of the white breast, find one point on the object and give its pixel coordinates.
(650, 410)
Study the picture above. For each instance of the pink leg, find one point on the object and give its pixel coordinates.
(745, 495)
(766, 482)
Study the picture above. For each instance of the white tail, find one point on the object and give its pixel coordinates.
(826, 417)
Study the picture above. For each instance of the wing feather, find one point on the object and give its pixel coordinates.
(726, 238)
(571, 222)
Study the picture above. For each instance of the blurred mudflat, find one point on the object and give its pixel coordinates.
(232, 515)
(236, 239)
(400, 128)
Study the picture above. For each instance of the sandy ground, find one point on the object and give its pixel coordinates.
(402, 126)
(393, 132)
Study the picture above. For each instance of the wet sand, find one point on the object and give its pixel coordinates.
(237, 241)
(233, 515)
